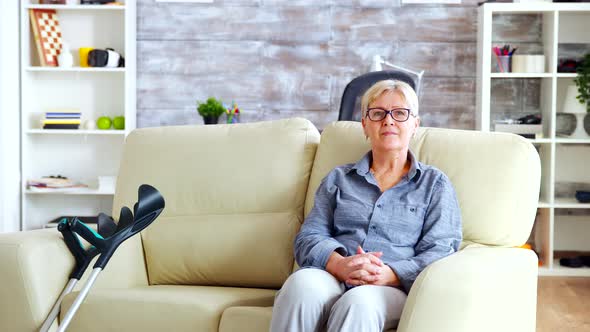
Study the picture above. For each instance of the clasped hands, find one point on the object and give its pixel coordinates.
(364, 268)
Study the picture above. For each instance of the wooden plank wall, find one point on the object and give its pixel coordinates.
(280, 58)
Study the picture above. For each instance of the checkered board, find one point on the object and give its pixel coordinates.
(45, 26)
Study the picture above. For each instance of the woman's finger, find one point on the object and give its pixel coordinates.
(376, 253)
(359, 260)
(374, 259)
(357, 274)
(356, 282)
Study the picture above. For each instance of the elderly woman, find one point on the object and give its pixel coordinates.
(374, 227)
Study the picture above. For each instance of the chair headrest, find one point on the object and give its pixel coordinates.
(350, 103)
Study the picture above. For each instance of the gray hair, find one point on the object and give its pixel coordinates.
(404, 89)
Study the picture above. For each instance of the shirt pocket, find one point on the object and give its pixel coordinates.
(404, 227)
(351, 213)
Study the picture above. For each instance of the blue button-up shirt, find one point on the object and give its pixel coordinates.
(414, 223)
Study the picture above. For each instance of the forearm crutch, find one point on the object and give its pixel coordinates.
(82, 257)
(148, 207)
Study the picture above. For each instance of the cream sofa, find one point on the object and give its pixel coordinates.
(235, 198)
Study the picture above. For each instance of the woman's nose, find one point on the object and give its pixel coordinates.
(388, 120)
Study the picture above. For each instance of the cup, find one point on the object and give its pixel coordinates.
(502, 64)
(83, 51)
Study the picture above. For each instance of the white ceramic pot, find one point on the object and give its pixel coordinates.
(528, 63)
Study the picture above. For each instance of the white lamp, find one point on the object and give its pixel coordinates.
(572, 105)
(377, 65)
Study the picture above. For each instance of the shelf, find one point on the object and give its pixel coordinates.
(567, 75)
(534, 8)
(520, 75)
(559, 270)
(540, 140)
(569, 203)
(76, 69)
(560, 222)
(96, 91)
(73, 191)
(543, 204)
(77, 7)
(74, 132)
(572, 140)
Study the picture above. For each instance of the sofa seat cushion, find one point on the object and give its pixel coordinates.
(245, 319)
(161, 308)
(248, 319)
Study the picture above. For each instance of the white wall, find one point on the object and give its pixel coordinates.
(9, 117)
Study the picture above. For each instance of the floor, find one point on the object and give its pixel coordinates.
(563, 304)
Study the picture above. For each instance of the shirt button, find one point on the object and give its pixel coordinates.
(412, 209)
(379, 205)
(373, 227)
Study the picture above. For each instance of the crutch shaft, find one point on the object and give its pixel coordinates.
(81, 296)
(55, 310)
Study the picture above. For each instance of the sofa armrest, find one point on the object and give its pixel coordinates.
(475, 289)
(36, 266)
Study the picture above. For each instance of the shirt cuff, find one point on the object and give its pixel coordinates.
(323, 250)
(405, 271)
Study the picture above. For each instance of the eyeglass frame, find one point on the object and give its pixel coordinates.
(389, 112)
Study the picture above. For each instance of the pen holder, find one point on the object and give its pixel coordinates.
(502, 64)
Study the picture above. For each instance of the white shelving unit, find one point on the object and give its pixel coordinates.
(82, 155)
(557, 228)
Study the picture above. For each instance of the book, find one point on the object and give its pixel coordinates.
(61, 121)
(61, 126)
(53, 183)
(47, 34)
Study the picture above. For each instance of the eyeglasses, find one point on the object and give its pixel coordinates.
(398, 114)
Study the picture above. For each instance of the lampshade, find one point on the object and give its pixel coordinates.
(376, 64)
(570, 103)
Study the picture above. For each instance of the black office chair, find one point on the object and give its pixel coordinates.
(350, 108)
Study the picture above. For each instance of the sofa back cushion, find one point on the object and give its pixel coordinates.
(234, 199)
(496, 176)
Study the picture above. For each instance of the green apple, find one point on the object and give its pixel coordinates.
(104, 122)
(119, 122)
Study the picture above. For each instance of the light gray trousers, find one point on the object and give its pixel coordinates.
(313, 300)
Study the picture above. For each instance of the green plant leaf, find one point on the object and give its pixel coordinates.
(583, 81)
(212, 107)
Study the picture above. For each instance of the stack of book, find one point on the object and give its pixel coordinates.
(53, 183)
(62, 120)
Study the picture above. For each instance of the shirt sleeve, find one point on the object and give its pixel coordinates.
(314, 243)
(441, 234)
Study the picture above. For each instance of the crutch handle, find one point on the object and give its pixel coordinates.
(87, 233)
(82, 256)
(149, 206)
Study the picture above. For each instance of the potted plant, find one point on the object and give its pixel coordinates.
(210, 110)
(583, 81)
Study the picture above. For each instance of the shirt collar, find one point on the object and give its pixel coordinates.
(362, 166)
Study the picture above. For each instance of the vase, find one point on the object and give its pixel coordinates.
(587, 123)
(210, 119)
(565, 124)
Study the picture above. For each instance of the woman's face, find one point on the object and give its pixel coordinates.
(389, 134)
